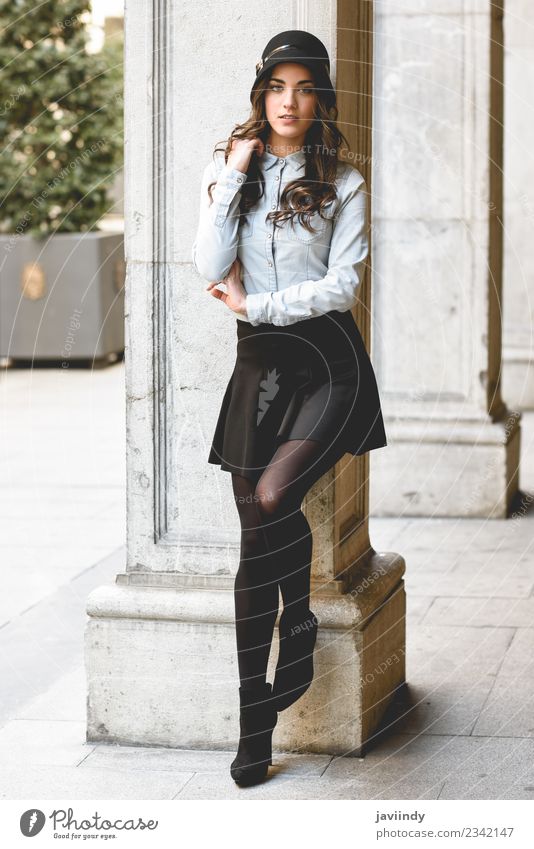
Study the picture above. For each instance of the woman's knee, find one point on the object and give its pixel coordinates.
(267, 500)
(273, 503)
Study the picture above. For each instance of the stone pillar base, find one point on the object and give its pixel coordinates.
(518, 378)
(445, 468)
(162, 665)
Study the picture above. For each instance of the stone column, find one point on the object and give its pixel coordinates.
(454, 446)
(518, 307)
(160, 642)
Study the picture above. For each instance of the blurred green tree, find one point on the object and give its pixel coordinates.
(61, 118)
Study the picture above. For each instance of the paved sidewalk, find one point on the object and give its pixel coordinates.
(466, 722)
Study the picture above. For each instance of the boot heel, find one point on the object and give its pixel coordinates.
(257, 719)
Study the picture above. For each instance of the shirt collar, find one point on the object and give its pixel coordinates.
(295, 160)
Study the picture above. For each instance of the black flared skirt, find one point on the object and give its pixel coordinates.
(309, 380)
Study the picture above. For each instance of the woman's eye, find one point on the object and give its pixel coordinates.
(279, 88)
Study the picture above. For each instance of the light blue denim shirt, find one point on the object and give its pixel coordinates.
(288, 274)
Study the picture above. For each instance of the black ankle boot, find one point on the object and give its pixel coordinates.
(257, 719)
(294, 669)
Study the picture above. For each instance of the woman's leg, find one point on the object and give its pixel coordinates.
(276, 547)
(255, 589)
(295, 466)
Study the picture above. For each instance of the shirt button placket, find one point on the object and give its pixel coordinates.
(270, 240)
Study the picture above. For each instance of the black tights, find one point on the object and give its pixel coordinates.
(276, 548)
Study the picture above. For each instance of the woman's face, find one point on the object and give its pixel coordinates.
(291, 92)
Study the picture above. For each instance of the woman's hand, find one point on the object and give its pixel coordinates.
(241, 152)
(235, 297)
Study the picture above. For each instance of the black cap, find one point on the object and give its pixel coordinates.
(296, 45)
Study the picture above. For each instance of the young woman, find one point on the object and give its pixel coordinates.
(284, 222)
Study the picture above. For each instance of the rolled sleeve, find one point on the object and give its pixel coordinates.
(255, 306)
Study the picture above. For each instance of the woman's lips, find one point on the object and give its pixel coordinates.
(289, 120)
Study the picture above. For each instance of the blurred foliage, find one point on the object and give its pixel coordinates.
(61, 118)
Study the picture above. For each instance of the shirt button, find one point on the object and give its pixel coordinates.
(273, 206)
(270, 264)
(280, 161)
(240, 179)
(269, 235)
(277, 178)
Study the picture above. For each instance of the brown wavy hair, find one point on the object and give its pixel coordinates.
(305, 195)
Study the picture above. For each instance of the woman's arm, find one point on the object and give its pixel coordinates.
(338, 289)
(215, 245)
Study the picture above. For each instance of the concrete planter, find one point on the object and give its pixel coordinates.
(62, 298)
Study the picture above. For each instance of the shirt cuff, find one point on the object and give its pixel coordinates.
(230, 177)
(229, 182)
(255, 306)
